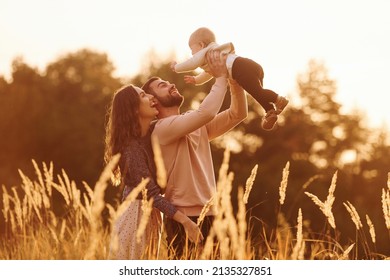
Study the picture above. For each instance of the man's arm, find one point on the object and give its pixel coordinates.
(231, 117)
(171, 128)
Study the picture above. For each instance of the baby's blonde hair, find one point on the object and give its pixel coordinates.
(204, 35)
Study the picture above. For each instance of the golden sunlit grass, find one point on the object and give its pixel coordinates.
(33, 230)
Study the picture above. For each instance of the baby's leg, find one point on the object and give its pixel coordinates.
(249, 75)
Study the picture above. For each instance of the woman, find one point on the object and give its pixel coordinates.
(128, 132)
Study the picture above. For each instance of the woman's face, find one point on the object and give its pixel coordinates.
(147, 106)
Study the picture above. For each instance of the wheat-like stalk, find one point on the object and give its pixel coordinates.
(249, 183)
(354, 215)
(89, 191)
(371, 229)
(86, 208)
(76, 196)
(62, 189)
(45, 196)
(18, 209)
(386, 206)
(146, 211)
(326, 207)
(48, 173)
(128, 200)
(33, 198)
(158, 159)
(205, 210)
(230, 231)
(226, 206)
(388, 181)
(223, 171)
(224, 223)
(283, 183)
(144, 201)
(331, 198)
(38, 173)
(311, 180)
(98, 205)
(220, 224)
(78, 233)
(26, 212)
(346, 252)
(284, 236)
(147, 207)
(12, 221)
(6, 204)
(66, 183)
(242, 226)
(221, 229)
(208, 246)
(115, 215)
(62, 230)
(299, 248)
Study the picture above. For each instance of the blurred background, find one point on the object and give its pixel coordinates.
(61, 62)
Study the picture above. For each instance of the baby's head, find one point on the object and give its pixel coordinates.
(200, 39)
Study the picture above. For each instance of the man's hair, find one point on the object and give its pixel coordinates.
(205, 35)
(146, 87)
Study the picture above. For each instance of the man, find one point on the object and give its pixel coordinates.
(184, 140)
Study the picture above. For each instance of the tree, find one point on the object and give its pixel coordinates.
(57, 116)
(20, 109)
(335, 132)
(81, 85)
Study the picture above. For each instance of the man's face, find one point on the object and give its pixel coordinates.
(166, 94)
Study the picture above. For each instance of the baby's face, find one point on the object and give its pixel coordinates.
(195, 46)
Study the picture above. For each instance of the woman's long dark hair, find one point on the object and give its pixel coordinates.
(122, 125)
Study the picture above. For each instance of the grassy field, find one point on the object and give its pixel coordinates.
(33, 230)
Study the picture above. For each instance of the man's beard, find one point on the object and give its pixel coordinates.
(171, 101)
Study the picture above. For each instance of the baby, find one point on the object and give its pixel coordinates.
(248, 74)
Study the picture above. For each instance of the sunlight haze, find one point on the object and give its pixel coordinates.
(350, 37)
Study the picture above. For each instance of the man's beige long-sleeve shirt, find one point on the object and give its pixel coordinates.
(185, 147)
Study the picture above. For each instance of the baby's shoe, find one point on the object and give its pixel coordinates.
(280, 103)
(269, 120)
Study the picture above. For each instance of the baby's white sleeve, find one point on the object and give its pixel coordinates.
(202, 78)
(194, 62)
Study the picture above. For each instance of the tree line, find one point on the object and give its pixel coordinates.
(58, 115)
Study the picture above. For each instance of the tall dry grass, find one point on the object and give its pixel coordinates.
(35, 230)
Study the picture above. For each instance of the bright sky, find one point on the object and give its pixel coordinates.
(352, 38)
